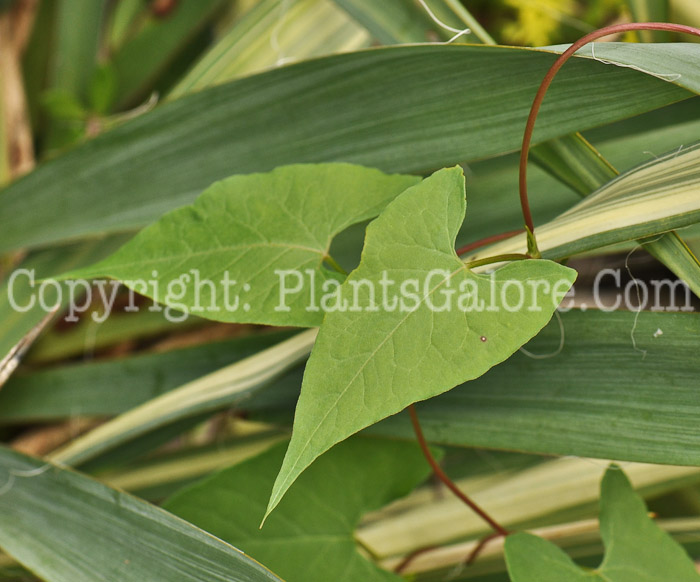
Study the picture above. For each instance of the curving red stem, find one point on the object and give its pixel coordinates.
(440, 474)
(527, 216)
(487, 241)
(547, 81)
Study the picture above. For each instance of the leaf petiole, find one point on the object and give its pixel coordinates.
(496, 259)
(334, 265)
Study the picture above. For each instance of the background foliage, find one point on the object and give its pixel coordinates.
(116, 112)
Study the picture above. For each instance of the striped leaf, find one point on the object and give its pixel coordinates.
(651, 199)
(65, 527)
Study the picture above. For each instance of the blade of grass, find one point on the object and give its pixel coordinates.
(400, 22)
(107, 388)
(167, 158)
(650, 11)
(78, 26)
(578, 164)
(162, 476)
(270, 33)
(87, 336)
(673, 252)
(574, 162)
(521, 499)
(141, 59)
(222, 388)
(53, 521)
(652, 199)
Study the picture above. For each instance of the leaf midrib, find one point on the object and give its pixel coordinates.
(217, 250)
(371, 356)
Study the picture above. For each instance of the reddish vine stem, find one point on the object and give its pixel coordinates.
(406, 562)
(546, 82)
(483, 542)
(440, 474)
(487, 241)
(529, 224)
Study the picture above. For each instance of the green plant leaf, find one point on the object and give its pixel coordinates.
(311, 536)
(243, 232)
(541, 493)
(391, 22)
(657, 62)
(400, 109)
(673, 252)
(371, 362)
(76, 42)
(259, 40)
(123, 20)
(161, 475)
(551, 406)
(637, 550)
(653, 198)
(576, 163)
(141, 59)
(23, 303)
(66, 527)
(225, 387)
(400, 22)
(106, 388)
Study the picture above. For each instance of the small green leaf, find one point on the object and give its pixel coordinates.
(372, 359)
(61, 105)
(533, 559)
(252, 236)
(637, 549)
(311, 537)
(103, 87)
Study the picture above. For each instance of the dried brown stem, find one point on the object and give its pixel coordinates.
(15, 29)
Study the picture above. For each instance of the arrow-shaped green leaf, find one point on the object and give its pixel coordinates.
(637, 549)
(372, 359)
(230, 255)
(311, 537)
